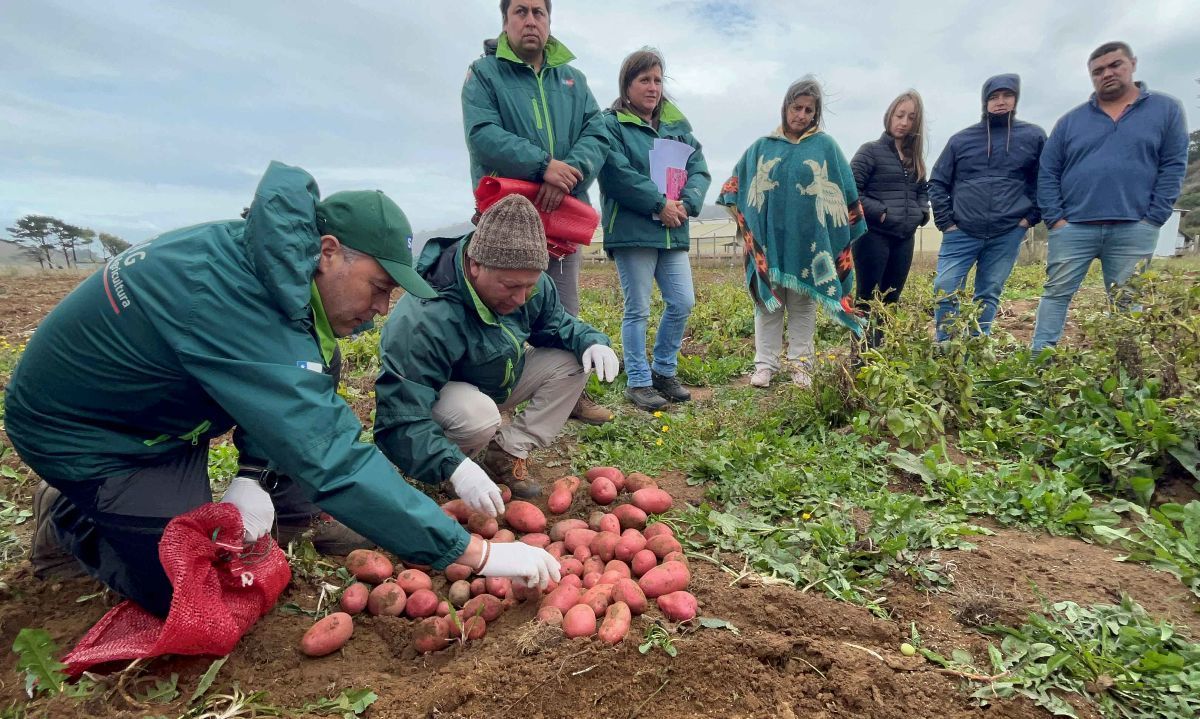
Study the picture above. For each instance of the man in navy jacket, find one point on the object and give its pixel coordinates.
(983, 191)
(1110, 173)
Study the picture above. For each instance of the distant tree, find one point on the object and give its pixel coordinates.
(112, 245)
(33, 234)
(69, 237)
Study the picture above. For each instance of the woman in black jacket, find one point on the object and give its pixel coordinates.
(890, 174)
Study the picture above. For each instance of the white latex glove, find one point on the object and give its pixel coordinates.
(258, 513)
(604, 360)
(476, 489)
(524, 564)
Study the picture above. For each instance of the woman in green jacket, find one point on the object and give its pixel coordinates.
(645, 231)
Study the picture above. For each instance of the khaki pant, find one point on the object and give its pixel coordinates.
(801, 326)
(551, 381)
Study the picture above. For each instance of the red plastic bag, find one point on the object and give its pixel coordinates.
(571, 225)
(220, 592)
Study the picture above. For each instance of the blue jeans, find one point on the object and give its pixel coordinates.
(1120, 246)
(637, 268)
(959, 252)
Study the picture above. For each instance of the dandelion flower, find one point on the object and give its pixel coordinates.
(659, 442)
(806, 516)
(666, 428)
(658, 414)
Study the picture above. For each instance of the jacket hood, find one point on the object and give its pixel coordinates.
(668, 114)
(436, 263)
(281, 237)
(1006, 81)
(555, 53)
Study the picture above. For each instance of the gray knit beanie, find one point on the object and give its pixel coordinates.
(510, 236)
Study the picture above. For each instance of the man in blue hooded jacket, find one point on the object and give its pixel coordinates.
(983, 189)
(1110, 174)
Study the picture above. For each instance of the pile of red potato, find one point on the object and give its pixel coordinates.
(611, 566)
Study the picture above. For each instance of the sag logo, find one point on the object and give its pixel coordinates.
(410, 243)
(569, 81)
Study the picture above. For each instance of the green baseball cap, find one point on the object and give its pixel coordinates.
(368, 221)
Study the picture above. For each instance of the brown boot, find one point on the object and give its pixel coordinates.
(46, 554)
(510, 470)
(327, 535)
(586, 410)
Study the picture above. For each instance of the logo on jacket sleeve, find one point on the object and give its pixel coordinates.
(569, 81)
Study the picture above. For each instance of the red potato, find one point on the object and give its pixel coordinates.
(483, 525)
(559, 531)
(676, 557)
(598, 598)
(431, 635)
(591, 579)
(457, 509)
(678, 606)
(556, 549)
(559, 501)
(664, 579)
(616, 565)
(571, 580)
(474, 628)
(570, 565)
(571, 483)
(577, 537)
(656, 529)
(594, 519)
(611, 576)
(354, 598)
(652, 500)
(525, 517)
(593, 564)
(603, 491)
(604, 545)
(662, 545)
(610, 523)
(443, 609)
(505, 493)
(615, 626)
(499, 586)
(504, 536)
(388, 600)
(612, 474)
(459, 593)
(410, 580)
(421, 603)
(643, 562)
(582, 553)
(636, 480)
(485, 605)
(630, 516)
(563, 598)
(579, 621)
(628, 591)
(630, 544)
(457, 572)
(550, 615)
(478, 586)
(536, 539)
(369, 566)
(524, 594)
(328, 635)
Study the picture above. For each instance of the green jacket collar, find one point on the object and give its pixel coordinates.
(485, 313)
(778, 134)
(321, 324)
(669, 115)
(555, 53)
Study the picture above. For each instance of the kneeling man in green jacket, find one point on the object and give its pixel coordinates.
(452, 364)
(177, 340)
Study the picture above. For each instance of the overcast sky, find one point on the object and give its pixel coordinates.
(135, 116)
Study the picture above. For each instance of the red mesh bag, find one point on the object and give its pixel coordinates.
(568, 227)
(220, 592)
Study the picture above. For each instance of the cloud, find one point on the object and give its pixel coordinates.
(139, 116)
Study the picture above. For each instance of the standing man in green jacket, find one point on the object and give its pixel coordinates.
(177, 340)
(529, 115)
(452, 364)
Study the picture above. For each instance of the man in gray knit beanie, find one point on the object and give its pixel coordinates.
(510, 236)
(495, 336)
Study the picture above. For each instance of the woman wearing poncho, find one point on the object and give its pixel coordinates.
(797, 211)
